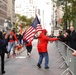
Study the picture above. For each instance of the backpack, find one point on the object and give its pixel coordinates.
(11, 37)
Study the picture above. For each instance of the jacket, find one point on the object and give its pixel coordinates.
(15, 37)
(3, 44)
(43, 41)
(73, 40)
(29, 44)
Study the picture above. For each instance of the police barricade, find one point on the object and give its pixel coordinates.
(63, 52)
(69, 59)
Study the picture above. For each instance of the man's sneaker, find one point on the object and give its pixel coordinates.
(39, 66)
(46, 67)
(3, 72)
(28, 54)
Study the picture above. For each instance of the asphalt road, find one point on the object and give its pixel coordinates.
(23, 65)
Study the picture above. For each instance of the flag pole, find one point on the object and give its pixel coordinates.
(43, 20)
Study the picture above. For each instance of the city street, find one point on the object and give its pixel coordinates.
(23, 21)
(23, 65)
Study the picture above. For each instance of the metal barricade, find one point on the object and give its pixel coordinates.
(63, 51)
(69, 59)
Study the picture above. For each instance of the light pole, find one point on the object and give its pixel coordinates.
(53, 19)
(56, 17)
(66, 14)
(67, 7)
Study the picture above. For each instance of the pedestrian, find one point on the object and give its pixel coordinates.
(61, 36)
(73, 37)
(29, 48)
(20, 38)
(3, 44)
(66, 38)
(12, 41)
(42, 48)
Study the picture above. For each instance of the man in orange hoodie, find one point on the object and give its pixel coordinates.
(42, 48)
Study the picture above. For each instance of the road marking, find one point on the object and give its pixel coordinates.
(20, 57)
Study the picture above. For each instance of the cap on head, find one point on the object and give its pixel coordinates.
(44, 30)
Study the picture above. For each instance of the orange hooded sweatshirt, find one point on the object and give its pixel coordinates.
(43, 41)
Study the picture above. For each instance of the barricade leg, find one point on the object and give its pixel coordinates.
(65, 71)
(59, 59)
(62, 64)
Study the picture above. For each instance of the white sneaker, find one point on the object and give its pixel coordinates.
(28, 54)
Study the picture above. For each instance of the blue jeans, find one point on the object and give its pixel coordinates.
(43, 55)
(11, 46)
(20, 41)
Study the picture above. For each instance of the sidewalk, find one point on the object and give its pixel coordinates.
(23, 65)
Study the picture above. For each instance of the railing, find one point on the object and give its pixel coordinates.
(70, 60)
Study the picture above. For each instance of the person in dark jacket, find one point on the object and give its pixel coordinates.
(3, 44)
(42, 48)
(20, 38)
(66, 38)
(61, 36)
(73, 37)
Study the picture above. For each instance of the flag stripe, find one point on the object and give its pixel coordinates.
(38, 27)
(31, 39)
(29, 35)
(29, 30)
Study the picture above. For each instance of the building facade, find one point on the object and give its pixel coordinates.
(3, 11)
(44, 12)
(7, 13)
(25, 7)
(11, 11)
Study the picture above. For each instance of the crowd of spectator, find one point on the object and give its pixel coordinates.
(69, 37)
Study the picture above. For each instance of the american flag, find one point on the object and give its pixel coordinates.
(35, 26)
